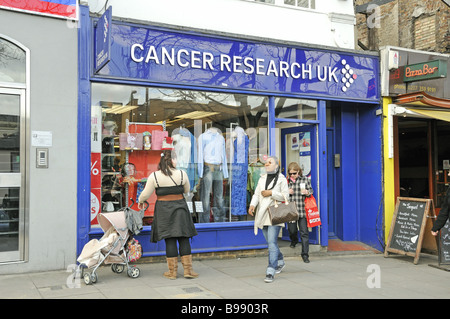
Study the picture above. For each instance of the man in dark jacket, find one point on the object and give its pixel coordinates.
(443, 213)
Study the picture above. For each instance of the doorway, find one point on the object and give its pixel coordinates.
(12, 165)
(299, 144)
(423, 158)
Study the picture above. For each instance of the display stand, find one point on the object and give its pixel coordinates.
(145, 162)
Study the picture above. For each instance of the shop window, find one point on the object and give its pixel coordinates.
(235, 124)
(299, 109)
(12, 63)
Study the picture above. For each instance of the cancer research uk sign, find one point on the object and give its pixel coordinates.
(161, 56)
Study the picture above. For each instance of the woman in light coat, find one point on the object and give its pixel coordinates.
(271, 186)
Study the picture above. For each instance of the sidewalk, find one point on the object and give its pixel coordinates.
(330, 275)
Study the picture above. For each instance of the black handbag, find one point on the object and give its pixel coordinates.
(283, 213)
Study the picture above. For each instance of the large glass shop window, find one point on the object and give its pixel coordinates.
(220, 140)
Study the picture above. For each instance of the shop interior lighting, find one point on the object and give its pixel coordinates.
(119, 109)
(196, 115)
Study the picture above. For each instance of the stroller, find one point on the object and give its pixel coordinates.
(111, 248)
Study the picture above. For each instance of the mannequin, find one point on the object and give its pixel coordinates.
(239, 172)
(183, 143)
(212, 168)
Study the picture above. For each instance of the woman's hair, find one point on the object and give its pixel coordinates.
(275, 159)
(165, 164)
(295, 167)
(276, 162)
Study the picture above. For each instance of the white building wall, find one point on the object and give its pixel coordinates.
(52, 207)
(330, 24)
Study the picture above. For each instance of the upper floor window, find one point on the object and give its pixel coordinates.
(12, 62)
(311, 4)
(301, 3)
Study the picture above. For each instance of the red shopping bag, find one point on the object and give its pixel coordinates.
(312, 212)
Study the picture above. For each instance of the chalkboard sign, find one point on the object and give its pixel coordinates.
(444, 245)
(407, 228)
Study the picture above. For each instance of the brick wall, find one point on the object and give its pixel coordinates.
(415, 24)
(425, 33)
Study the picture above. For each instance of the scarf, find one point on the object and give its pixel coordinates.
(271, 177)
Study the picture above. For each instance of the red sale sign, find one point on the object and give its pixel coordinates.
(96, 170)
(96, 186)
(96, 205)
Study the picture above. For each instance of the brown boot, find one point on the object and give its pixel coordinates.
(172, 263)
(187, 265)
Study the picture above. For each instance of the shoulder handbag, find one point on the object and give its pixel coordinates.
(283, 213)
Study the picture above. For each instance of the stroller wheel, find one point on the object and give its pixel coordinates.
(89, 278)
(134, 272)
(117, 268)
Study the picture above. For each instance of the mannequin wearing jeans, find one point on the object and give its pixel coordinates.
(271, 186)
(212, 168)
(212, 181)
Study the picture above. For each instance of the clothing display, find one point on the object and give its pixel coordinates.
(223, 195)
(239, 171)
(157, 139)
(211, 150)
(185, 148)
(212, 168)
(212, 183)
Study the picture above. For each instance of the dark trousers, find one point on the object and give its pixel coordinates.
(304, 234)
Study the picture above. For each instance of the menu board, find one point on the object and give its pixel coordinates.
(444, 244)
(408, 224)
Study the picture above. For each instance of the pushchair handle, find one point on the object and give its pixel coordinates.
(132, 203)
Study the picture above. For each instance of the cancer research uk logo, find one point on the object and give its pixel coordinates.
(348, 76)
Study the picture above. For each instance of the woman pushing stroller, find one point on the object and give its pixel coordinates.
(172, 220)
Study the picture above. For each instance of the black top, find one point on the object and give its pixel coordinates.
(169, 190)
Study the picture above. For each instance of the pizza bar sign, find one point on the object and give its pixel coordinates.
(425, 71)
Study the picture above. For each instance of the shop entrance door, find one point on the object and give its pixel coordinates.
(299, 144)
(12, 150)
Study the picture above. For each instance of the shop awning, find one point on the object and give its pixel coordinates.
(420, 104)
(421, 99)
(439, 115)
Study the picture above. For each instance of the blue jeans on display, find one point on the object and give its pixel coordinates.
(275, 256)
(212, 180)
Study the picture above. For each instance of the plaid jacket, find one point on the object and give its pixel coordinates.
(297, 197)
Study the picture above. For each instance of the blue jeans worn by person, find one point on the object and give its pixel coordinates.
(212, 180)
(275, 256)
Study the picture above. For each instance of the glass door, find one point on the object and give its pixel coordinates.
(299, 144)
(12, 150)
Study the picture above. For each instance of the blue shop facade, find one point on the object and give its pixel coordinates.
(225, 103)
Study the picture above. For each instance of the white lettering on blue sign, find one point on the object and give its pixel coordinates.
(233, 64)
